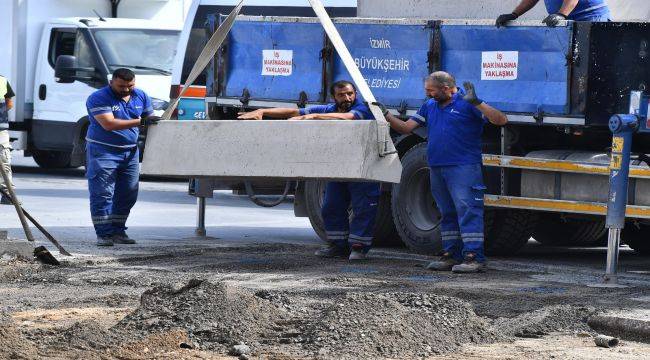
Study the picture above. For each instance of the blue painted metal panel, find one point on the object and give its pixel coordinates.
(247, 40)
(542, 82)
(392, 58)
(191, 109)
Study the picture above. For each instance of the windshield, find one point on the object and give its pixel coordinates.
(143, 51)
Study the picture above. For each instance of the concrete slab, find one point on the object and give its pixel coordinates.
(16, 248)
(227, 149)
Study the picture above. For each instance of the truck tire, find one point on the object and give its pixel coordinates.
(416, 216)
(385, 233)
(553, 230)
(507, 231)
(638, 238)
(52, 159)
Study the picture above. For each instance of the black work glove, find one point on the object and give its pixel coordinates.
(504, 18)
(470, 94)
(553, 19)
(381, 107)
(150, 120)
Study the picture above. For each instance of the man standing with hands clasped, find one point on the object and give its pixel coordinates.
(112, 157)
(454, 119)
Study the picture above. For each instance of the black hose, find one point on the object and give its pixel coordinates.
(259, 202)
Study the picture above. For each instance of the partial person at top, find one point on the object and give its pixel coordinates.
(577, 10)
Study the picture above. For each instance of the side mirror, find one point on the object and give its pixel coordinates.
(65, 69)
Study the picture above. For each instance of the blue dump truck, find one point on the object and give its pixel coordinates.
(547, 171)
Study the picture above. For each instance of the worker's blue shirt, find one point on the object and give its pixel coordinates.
(358, 109)
(104, 101)
(455, 131)
(586, 10)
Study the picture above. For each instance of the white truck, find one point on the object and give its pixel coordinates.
(50, 37)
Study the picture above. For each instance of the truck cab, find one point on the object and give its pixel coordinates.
(88, 50)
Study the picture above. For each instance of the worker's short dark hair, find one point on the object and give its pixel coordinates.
(341, 84)
(124, 74)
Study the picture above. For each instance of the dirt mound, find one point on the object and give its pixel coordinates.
(13, 345)
(559, 318)
(215, 315)
(395, 325)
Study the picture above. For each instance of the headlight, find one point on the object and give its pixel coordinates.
(159, 104)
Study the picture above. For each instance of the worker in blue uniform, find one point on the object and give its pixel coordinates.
(115, 112)
(577, 10)
(454, 119)
(345, 236)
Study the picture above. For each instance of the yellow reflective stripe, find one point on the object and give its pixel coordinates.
(557, 165)
(578, 207)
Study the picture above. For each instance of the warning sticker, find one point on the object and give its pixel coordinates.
(277, 62)
(499, 65)
(616, 162)
(617, 144)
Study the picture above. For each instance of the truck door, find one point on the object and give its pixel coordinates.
(58, 106)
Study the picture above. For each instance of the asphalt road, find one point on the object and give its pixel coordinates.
(165, 213)
(262, 249)
(58, 199)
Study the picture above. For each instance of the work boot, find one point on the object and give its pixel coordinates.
(332, 251)
(5, 201)
(469, 265)
(122, 239)
(357, 253)
(445, 263)
(104, 241)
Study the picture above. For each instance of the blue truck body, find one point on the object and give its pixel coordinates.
(394, 57)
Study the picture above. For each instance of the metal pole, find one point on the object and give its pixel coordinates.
(200, 216)
(622, 128)
(613, 244)
(14, 199)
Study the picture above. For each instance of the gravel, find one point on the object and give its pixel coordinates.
(395, 325)
(559, 318)
(215, 315)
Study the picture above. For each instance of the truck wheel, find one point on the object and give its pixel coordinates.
(638, 238)
(414, 211)
(507, 231)
(552, 229)
(52, 159)
(385, 233)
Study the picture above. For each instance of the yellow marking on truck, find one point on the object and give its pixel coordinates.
(578, 207)
(617, 144)
(557, 165)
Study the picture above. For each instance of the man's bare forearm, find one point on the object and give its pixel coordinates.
(330, 116)
(493, 115)
(399, 125)
(118, 124)
(524, 6)
(281, 113)
(567, 7)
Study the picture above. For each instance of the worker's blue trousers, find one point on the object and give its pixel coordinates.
(113, 175)
(458, 191)
(341, 230)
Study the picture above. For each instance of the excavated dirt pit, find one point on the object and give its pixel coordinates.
(191, 304)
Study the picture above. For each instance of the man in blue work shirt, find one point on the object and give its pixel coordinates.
(346, 237)
(454, 120)
(112, 164)
(577, 10)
